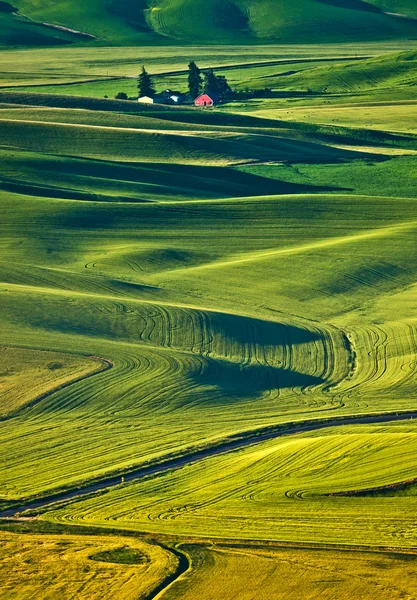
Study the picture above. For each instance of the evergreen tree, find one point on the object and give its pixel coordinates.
(216, 84)
(210, 82)
(194, 80)
(223, 88)
(145, 84)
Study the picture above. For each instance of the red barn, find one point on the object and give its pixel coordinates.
(206, 100)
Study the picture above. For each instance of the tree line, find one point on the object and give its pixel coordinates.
(198, 82)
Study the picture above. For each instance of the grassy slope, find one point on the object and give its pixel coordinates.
(15, 31)
(376, 73)
(117, 22)
(204, 363)
(287, 572)
(163, 145)
(51, 566)
(397, 176)
(223, 309)
(122, 21)
(28, 374)
(278, 490)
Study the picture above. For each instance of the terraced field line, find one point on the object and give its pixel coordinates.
(184, 132)
(255, 256)
(267, 63)
(250, 438)
(105, 365)
(61, 83)
(34, 289)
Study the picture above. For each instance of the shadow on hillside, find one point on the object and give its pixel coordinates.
(248, 330)
(156, 179)
(225, 381)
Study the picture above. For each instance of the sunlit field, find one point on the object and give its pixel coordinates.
(231, 289)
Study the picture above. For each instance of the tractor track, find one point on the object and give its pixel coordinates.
(254, 437)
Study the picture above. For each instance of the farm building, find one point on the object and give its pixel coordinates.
(146, 100)
(165, 97)
(208, 99)
(169, 97)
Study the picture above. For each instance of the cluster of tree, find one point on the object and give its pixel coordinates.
(198, 82)
(208, 82)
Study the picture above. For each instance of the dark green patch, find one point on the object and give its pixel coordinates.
(7, 373)
(124, 555)
(55, 366)
(7, 8)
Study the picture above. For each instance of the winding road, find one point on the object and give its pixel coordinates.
(250, 438)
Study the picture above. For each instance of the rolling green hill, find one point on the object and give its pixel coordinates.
(380, 73)
(147, 21)
(208, 316)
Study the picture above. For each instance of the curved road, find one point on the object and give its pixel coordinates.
(254, 437)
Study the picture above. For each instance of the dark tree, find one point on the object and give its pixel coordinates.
(145, 84)
(121, 96)
(223, 88)
(216, 84)
(194, 80)
(210, 82)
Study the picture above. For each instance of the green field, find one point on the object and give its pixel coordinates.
(224, 571)
(280, 491)
(31, 22)
(41, 566)
(172, 279)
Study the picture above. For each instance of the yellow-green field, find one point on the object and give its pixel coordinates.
(172, 279)
(282, 490)
(28, 374)
(401, 118)
(247, 572)
(86, 567)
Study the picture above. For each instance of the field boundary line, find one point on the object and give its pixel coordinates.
(104, 366)
(230, 444)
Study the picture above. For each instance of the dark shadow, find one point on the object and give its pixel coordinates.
(175, 180)
(5, 7)
(131, 12)
(230, 17)
(31, 189)
(247, 330)
(132, 288)
(225, 381)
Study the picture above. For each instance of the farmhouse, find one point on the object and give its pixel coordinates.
(165, 97)
(169, 97)
(207, 99)
(146, 100)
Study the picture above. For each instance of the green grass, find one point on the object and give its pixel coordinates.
(248, 570)
(121, 241)
(278, 490)
(384, 117)
(379, 73)
(15, 31)
(51, 566)
(238, 268)
(135, 283)
(109, 142)
(26, 374)
(396, 176)
(308, 21)
(95, 180)
(123, 555)
(44, 65)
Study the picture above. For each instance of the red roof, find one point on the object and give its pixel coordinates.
(206, 99)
